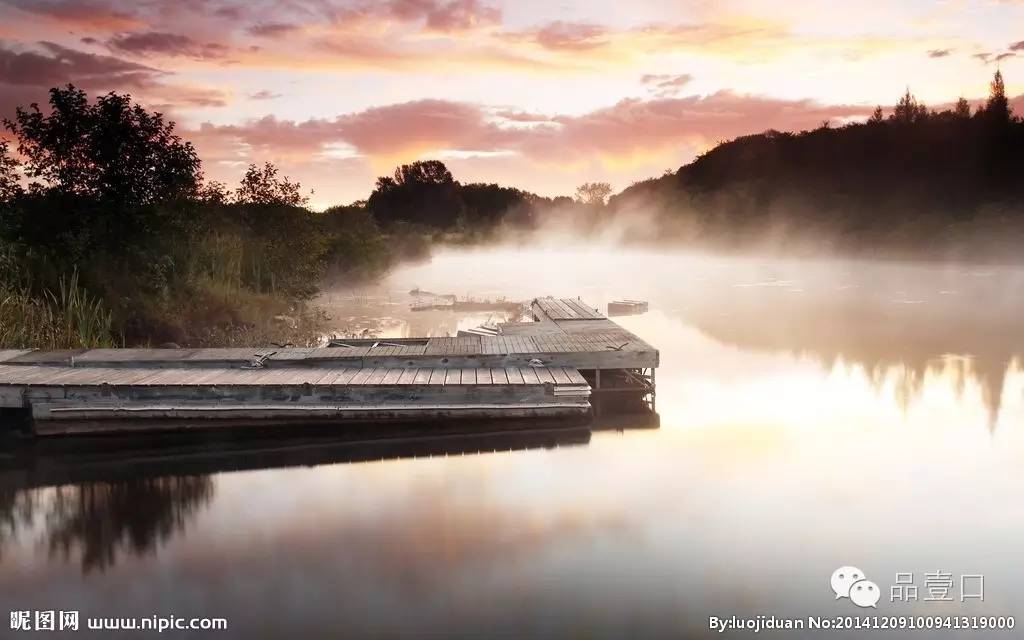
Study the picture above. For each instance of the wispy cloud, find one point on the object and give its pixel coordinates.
(664, 85)
(26, 75)
(264, 94)
(272, 29)
(158, 43)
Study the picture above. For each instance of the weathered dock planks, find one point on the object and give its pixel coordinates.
(528, 369)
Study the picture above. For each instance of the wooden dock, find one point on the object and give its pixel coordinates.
(547, 368)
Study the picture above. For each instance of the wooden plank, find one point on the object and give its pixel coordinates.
(514, 375)
(246, 354)
(575, 377)
(559, 375)
(544, 375)
(483, 376)
(571, 314)
(564, 312)
(437, 376)
(361, 376)
(291, 353)
(393, 376)
(422, 376)
(58, 357)
(204, 375)
(586, 312)
(499, 376)
(435, 346)
(58, 375)
(28, 374)
(233, 376)
(408, 375)
(530, 375)
(453, 376)
(547, 304)
(128, 376)
(158, 376)
(94, 356)
(573, 304)
(71, 420)
(339, 377)
(377, 376)
(9, 354)
(485, 345)
(469, 376)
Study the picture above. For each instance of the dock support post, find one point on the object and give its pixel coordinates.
(654, 389)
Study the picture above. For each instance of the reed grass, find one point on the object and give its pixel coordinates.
(66, 318)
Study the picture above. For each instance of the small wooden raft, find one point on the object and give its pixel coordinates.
(530, 369)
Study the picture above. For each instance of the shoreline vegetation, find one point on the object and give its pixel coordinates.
(111, 236)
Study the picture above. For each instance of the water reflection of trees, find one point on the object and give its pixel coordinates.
(904, 325)
(134, 516)
(16, 510)
(98, 521)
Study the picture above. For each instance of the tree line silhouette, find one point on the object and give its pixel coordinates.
(915, 179)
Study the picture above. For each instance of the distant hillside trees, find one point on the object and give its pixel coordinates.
(422, 193)
(913, 178)
(425, 194)
(593, 193)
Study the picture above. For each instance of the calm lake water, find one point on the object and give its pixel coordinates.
(814, 414)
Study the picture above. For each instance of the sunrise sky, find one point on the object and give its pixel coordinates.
(540, 95)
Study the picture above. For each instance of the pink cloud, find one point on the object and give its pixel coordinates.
(26, 76)
(628, 128)
(570, 35)
(145, 43)
(54, 65)
(272, 29)
(454, 15)
(94, 14)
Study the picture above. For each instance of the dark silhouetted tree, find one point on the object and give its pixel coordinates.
(424, 172)
(265, 186)
(876, 116)
(962, 109)
(9, 186)
(909, 110)
(214, 192)
(488, 205)
(421, 193)
(997, 107)
(593, 193)
(112, 152)
(107, 180)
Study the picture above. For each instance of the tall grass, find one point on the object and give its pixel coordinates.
(66, 318)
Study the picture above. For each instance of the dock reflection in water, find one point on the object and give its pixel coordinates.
(102, 497)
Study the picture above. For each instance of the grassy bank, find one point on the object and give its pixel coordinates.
(110, 235)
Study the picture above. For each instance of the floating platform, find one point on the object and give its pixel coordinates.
(548, 368)
(627, 307)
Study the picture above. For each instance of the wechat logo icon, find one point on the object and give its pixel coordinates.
(850, 582)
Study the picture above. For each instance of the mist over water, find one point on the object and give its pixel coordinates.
(814, 414)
